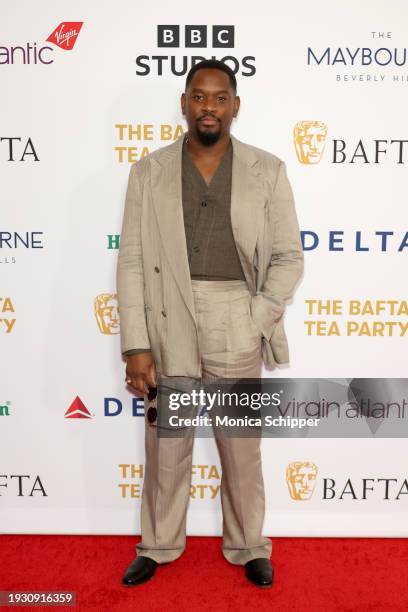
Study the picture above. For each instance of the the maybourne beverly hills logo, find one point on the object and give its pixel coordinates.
(107, 313)
(310, 142)
(13, 243)
(376, 59)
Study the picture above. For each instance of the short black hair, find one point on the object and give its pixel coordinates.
(213, 63)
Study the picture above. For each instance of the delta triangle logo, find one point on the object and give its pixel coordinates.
(65, 35)
(77, 410)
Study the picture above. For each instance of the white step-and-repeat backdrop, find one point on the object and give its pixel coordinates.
(87, 88)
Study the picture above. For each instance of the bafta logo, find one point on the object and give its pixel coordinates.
(309, 138)
(301, 479)
(107, 313)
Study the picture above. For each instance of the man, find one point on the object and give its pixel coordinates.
(209, 252)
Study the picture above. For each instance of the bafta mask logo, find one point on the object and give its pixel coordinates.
(309, 138)
(107, 313)
(301, 479)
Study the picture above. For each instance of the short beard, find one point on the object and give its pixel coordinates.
(208, 138)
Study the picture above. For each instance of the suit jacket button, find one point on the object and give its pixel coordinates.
(157, 269)
(163, 313)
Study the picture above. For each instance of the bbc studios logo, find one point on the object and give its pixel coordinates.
(221, 38)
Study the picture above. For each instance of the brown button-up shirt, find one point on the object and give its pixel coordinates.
(211, 249)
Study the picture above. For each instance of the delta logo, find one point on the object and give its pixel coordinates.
(78, 410)
(63, 36)
(114, 407)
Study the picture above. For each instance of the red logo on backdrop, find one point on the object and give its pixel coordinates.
(78, 410)
(65, 35)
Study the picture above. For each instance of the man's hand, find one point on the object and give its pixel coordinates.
(141, 371)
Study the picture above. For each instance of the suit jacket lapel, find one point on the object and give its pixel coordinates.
(247, 204)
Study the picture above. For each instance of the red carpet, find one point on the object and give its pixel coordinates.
(311, 575)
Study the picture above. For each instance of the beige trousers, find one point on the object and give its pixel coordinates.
(230, 347)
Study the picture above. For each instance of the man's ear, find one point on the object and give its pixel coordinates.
(182, 101)
(237, 105)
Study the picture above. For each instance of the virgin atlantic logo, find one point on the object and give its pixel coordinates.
(65, 35)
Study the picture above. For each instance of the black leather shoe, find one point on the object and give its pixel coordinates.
(139, 571)
(260, 572)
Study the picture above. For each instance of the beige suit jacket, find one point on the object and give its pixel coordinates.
(155, 296)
